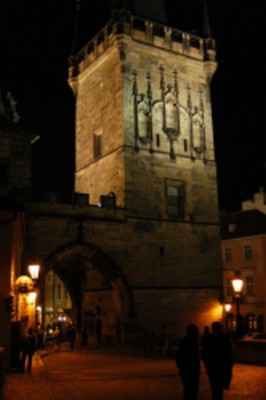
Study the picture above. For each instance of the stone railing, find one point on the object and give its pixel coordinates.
(151, 345)
(250, 351)
(144, 31)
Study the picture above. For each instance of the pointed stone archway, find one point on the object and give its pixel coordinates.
(78, 266)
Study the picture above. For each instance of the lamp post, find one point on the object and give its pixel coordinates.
(34, 270)
(227, 309)
(237, 284)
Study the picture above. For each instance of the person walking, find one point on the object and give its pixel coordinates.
(28, 349)
(218, 361)
(188, 361)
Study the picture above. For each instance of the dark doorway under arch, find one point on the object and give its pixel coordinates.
(96, 286)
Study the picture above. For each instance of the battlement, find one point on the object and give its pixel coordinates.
(144, 31)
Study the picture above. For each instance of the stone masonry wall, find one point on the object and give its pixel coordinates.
(99, 109)
(147, 98)
(170, 269)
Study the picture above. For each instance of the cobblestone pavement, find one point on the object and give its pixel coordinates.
(111, 375)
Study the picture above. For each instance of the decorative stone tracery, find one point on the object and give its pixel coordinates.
(167, 115)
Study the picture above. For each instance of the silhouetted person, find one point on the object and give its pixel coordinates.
(83, 337)
(28, 349)
(98, 330)
(205, 335)
(217, 358)
(188, 361)
(206, 332)
(72, 336)
(39, 333)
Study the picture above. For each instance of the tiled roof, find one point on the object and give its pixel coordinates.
(243, 223)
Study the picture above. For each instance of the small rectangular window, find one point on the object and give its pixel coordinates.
(247, 252)
(185, 145)
(158, 143)
(175, 194)
(250, 285)
(97, 144)
(228, 254)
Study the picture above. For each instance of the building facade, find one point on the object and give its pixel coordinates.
(243, 247)
(15, 190)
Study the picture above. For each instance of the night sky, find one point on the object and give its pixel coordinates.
(36, 39)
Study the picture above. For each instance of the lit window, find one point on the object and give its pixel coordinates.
(250, 285)
(175, 193)
(232, 227)
(97, 144)
(228, 254)
(231, 323)
(248, 252)
(252, 322)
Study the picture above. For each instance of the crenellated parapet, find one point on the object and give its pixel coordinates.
(144, 31)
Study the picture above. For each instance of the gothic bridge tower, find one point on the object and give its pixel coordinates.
(144, 134)
(143, 119)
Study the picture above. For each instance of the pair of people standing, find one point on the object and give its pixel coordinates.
(216, 356)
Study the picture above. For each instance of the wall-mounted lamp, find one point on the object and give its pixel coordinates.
(34, 270)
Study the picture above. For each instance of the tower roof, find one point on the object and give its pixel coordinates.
(185, 15)
(150, 9)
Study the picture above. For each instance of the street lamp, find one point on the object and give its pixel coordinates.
(227, 307)
(34, 270)
(237, 284)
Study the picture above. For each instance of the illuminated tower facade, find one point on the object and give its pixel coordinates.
(143, 120)
(144, 135)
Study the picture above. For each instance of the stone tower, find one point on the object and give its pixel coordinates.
(143, 120)
(144, 137)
